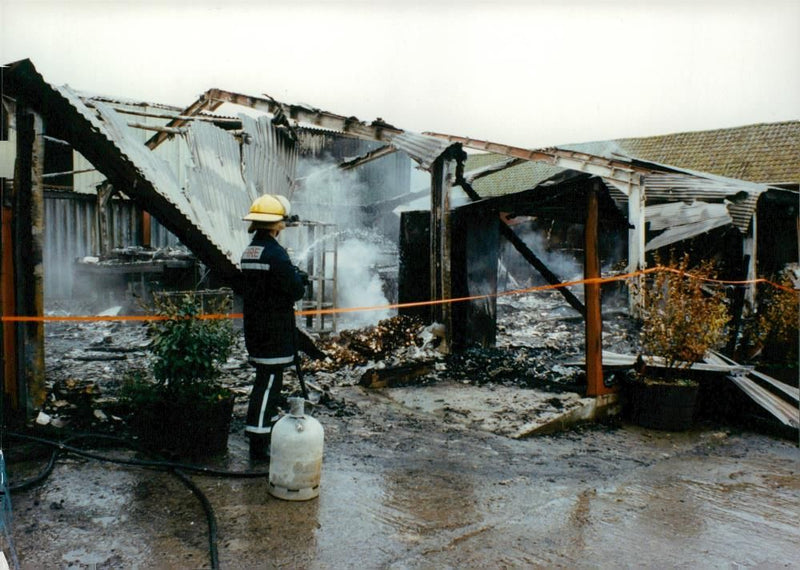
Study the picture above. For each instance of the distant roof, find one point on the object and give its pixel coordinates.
(766, 153)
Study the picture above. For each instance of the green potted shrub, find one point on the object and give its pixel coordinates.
(181, 407)
(683, 318)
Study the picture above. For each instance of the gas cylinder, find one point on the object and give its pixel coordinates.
(295, 457)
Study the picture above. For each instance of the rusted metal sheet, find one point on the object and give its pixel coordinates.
(206, 223)
(71, 233)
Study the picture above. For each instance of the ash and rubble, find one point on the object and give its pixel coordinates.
(87, 362)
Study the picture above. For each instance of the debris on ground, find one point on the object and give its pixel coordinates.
(86, 363)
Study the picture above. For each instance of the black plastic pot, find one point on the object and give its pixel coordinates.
(193, 429)
(662, 405)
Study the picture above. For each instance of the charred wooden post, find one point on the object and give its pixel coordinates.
(413, 280)
(9, 383)
(104, 193)
(8, 308)
(594, 323)
(749, 249)
(442, 175)
(28, 241)
(475, 251)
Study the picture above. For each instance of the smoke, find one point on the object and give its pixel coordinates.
(519, 272)
(360, 284)
(331, 196)
(328, 194)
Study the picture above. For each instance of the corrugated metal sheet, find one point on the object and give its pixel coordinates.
(422, 148)
(161, 236)
(740, 197)
(216, 195)
(72, 231)
(225, 177)
(269, 159)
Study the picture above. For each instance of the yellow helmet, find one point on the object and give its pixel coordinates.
(269, 208)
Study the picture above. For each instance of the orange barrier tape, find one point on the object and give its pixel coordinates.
(595, 280)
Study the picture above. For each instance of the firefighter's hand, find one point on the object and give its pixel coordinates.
(303, 277)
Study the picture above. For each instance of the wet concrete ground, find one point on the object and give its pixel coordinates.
(403, 489)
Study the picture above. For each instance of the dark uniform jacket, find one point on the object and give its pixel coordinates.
(271, 286)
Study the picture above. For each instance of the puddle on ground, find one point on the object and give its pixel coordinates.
(400, 491)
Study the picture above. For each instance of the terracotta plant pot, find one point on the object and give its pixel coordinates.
(662, 405)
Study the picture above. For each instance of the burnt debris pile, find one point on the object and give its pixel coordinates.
(87, 362)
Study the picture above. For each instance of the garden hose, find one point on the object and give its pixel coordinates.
(179, 470)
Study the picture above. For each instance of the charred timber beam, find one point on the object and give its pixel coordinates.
(478, 173)
(440, 242)
(530, 257)
(375, 131)
(537, 263)
(204, 103)
(167, 130)
(367, 157)
(624, 174)
(28, 240)
(235, 123)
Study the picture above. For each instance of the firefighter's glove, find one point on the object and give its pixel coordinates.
(303, 277)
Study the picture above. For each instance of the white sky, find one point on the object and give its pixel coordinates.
(523, 73)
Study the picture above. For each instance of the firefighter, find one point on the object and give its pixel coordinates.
(271, 287)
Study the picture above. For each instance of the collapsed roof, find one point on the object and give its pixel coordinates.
(226, 173)
(229, 169)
